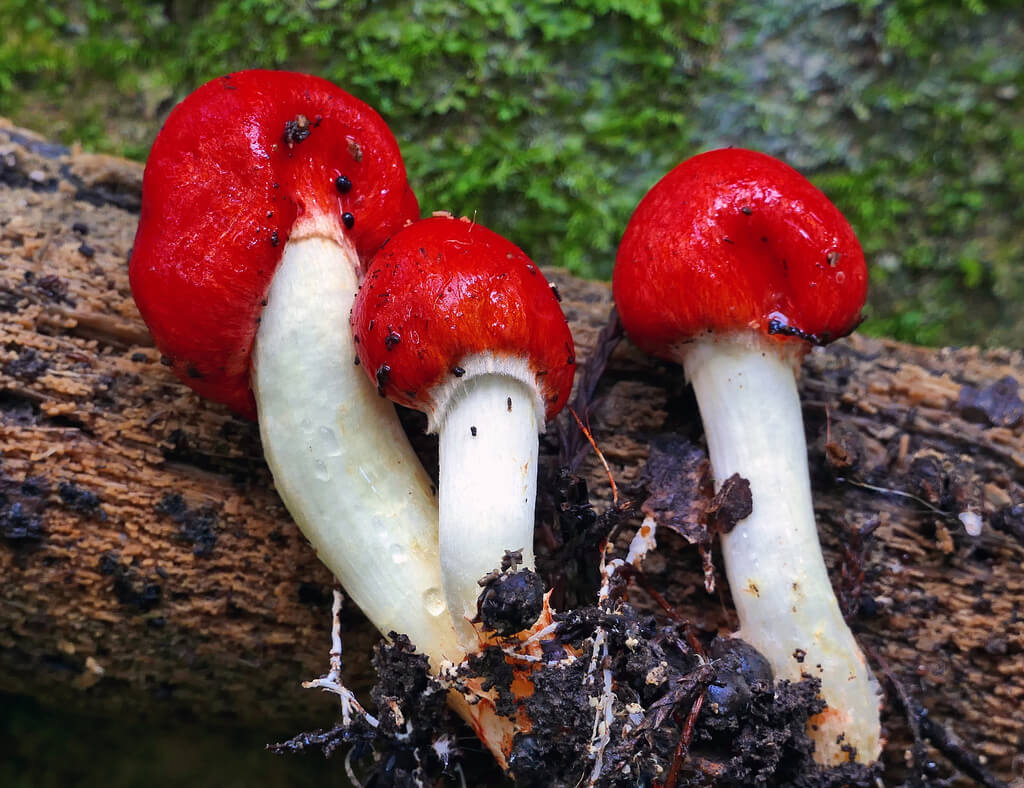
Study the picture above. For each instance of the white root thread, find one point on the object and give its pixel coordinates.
(332, 681)
(350, 772)
(601, 733)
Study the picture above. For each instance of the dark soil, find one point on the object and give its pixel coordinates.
(687, 709)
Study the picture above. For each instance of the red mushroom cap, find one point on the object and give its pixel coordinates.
(238, 164)
(443, 291)
(734, 240)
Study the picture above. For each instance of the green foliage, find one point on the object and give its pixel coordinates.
(530, 114)
(936, 187)
(549, 120)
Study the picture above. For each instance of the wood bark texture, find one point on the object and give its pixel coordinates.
(149, 568)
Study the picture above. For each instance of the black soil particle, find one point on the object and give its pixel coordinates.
(510, 603)
(776, 326)
(197, 525)
(750, 732)
(998, 405)
(22, 505)
(571, 567)
(78, 499)
(15, 177)
(1010, 519)
(383, 376)
(55, 288)
(27, 366)
(296, 130)
(123, 193)
(405, 689)
(130, 586)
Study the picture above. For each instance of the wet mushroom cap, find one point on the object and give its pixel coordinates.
(444, 289)
(733, 240)
(236, 165)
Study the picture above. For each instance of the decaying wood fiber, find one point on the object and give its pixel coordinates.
(148, 565)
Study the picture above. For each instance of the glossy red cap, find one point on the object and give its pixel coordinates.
(446, 290)
(236, 166)
(734, 240)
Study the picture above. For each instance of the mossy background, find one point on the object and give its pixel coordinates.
(551, 119)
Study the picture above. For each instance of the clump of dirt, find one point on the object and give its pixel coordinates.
(510, 601)
(647, 680)
(619, 697)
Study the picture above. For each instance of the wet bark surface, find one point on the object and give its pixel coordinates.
(150, 569)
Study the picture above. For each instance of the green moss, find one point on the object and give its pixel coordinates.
(549, 120)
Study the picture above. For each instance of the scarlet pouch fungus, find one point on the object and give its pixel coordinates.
(733, 265)
(260, 195)
(457, 322)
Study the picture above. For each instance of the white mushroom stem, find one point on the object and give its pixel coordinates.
(488, 425)
(746, 390)
(339, 457)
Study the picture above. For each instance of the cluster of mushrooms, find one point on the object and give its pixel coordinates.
(283, 269)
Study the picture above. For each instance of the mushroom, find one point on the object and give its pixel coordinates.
(262, 192)
(455, 321)
(734, 265)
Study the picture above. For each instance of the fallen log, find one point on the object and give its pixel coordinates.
(149, 568)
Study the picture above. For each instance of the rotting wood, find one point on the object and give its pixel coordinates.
(149, 566)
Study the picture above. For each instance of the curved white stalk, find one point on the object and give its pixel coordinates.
(488, 428)
(750, 407)
(339, 457)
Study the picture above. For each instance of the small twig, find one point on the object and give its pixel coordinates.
(910, 713)
(685, 737)
(644, 583)
(600, 456)
(961, 758)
